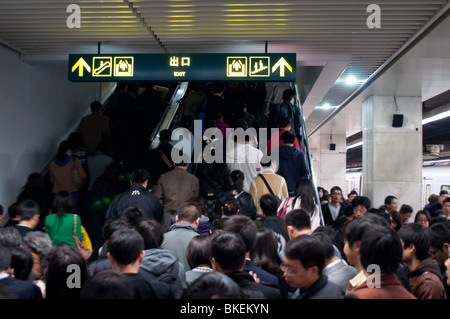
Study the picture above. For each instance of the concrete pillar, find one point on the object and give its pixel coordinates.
(329, 165)
(392, 156)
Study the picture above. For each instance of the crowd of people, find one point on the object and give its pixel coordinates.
(104, 224)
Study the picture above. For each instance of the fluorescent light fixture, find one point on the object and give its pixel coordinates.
(436, 117)
(436, 162)
(325, 106)
(355, 145)
(351, 80)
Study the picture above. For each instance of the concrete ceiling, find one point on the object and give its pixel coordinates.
(334, 35)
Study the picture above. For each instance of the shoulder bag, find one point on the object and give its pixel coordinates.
(85, 252)
(76, 179)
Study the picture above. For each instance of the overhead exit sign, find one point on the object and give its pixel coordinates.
(273, 67)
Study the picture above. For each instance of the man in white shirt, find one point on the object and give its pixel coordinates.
(245, 158)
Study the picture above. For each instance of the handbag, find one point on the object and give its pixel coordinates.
(76, 179)
(85, 252)
(283, 208)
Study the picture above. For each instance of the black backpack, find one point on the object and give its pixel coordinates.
(170, 278)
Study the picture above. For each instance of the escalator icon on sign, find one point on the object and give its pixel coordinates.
(101, 66)
(123, 65)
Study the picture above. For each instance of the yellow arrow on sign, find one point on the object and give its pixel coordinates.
(282, 63)
(80, 65)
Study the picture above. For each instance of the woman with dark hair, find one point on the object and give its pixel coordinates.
(60, 283)
(60, 224)
(265, 252)
(246, 203)
(304, 198)
(36, 190)
(198, 255)
(423, 218)
(61, 172)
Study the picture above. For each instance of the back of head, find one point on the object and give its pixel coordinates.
(213, 285)
(96, 106)
(108, 284)
(63, 257)
(198, 251)
(64, 146)
(62, 203)
(132, 215)
(21, 263)
(269, 204)
(439, 234)
(125, 246)
(112, 225)
(287, 137)
(381, 246)
(237, 177)
(405, 209)
(139, 175)
(414, 234)
(10, 237)
(165, 136)
(304, 189)
(288, 95)
(27, 209)
(38, 242)
(152, 232)
(327, 244)
(230, 207)
(35, 182)
(308, 250)
(189, 213)
(377, 217)
(243, 226)
(355, 230)
(228, 249)
(299, 219)
(5, 258)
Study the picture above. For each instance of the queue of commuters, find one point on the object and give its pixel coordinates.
(148, 227)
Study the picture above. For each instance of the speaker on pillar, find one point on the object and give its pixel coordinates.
(332, 147)
(397, 121)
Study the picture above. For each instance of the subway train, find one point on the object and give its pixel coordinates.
(435, 177)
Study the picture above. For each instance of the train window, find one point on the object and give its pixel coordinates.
(445, 188)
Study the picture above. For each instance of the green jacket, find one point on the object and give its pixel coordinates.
(60, 230)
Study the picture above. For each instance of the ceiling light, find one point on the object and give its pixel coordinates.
(351, 80)
(436, 117)
(355, 145)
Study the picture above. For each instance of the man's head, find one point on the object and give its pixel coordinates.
(284, 123)
(269, 204)
(336, 195)
(228, 252)
(125, 248)
(140, 176)
(298, 222)
(439, 236)
(165, 136)
(381, 246)
(96, 106)
(446, 206)
(353, 233)
(443, 194)
(287, 138)
(5, 259)
(29, 213)
(243, 226)
(189, 213)
(289, 96)
(360, 205)
(304, 259)
(415, 241)
(391, 203)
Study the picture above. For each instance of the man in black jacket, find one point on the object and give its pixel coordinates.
(136, 196)
(286, 109)
(126, 253)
